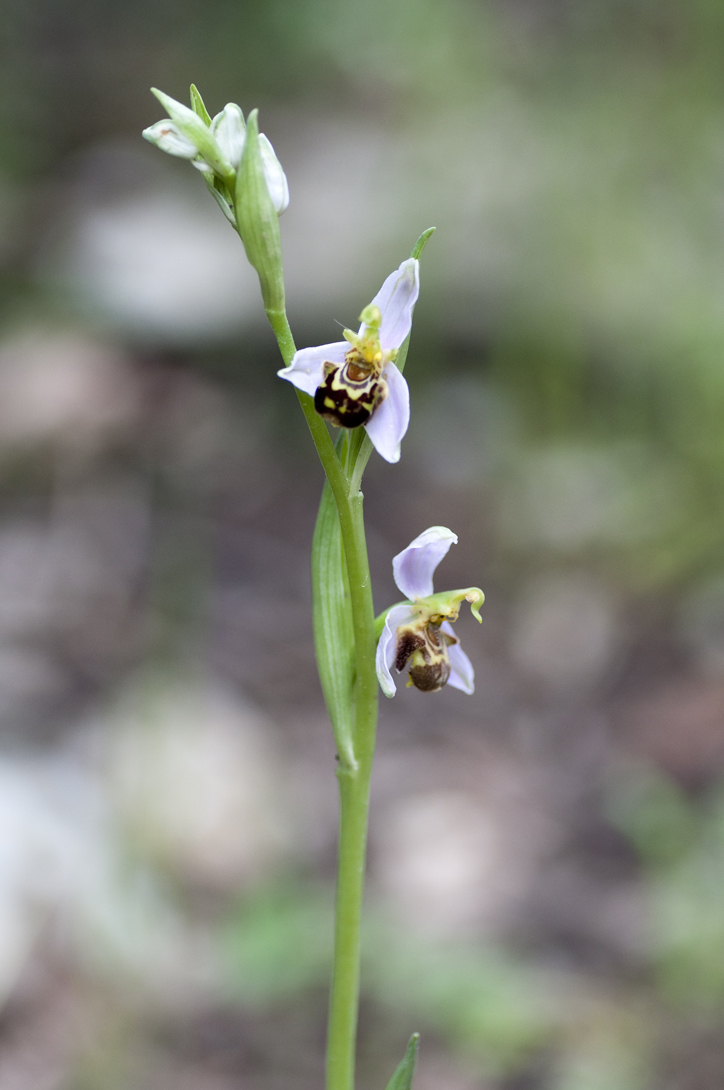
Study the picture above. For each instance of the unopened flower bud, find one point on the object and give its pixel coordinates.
(188, 124)
(257, 217)
(229, 131)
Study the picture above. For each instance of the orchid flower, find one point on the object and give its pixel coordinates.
(417, 633)
(215, 146)
(355, 381)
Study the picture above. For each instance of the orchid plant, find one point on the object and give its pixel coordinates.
(357, 386)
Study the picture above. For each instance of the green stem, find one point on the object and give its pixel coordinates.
(344, 997)
(354, 781)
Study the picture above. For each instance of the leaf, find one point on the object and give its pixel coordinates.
(403, 1073)
(333, 631)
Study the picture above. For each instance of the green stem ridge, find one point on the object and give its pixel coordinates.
(356, 752)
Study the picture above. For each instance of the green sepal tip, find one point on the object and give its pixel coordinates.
(198, 106)
(405, 1070)
(422, 243)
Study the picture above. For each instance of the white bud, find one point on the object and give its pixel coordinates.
(229, 131)
(276, 179)
(166, 136)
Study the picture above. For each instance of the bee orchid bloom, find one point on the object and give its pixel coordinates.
(355, 382)
(417, 634)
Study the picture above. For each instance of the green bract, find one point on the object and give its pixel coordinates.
(257, 219)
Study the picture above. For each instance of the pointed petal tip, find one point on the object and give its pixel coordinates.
(163, 98)
(396, 299)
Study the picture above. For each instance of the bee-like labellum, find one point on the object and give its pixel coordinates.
(424, 648)
(350, 392)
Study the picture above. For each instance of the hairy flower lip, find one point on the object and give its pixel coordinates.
(408, 624)
(395, 301)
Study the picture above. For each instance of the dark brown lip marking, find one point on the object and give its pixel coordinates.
(430, 678)
(349, 394)
(426, 642)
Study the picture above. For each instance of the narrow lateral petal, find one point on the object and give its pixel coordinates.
(396, 300)
(389, 422)
(413, 568)
(462, 675)
(387, 645)
(306, 370)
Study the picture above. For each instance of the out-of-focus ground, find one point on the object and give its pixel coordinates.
(546, 886)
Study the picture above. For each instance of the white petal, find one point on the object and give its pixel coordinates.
(414, 566)
(387, 646)
(276, 179)
(230, 133)
(462, 675)
(168, 137)
(389, 422)
(396, 299)
(306, 370)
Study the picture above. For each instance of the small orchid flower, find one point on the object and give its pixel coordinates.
(417, 634)
(355, 382)
(215, 146)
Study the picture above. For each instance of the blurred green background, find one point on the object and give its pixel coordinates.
(546, 890)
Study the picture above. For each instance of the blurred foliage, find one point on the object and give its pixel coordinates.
(681, 844)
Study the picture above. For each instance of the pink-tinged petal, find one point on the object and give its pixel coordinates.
(389, 422)
(387, 646)
(413, 568)
(306, 370)
(396, 300)
(462, 675)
